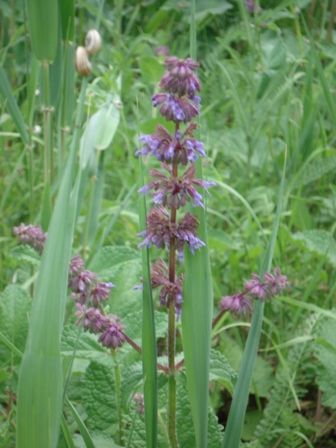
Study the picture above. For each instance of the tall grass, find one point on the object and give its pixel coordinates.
(40, 390)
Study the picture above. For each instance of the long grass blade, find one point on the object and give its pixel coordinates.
(240, 396)
(197, 314)
(43, 27)
(81, 425)
(13, 109)
(40, 389)
(149, 353)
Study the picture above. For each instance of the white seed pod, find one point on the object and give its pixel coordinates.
(93, 42)
(83, 65)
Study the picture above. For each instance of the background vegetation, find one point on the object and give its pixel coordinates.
(268, 89)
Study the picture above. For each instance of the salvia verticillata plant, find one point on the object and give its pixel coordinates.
(173, 186)
(255, 288)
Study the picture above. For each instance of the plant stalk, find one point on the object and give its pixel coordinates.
(47, 165)
(117, 379)
(172, 327)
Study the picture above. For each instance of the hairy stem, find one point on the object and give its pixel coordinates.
(172, 328)
(117, 379)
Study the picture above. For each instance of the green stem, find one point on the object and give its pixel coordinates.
(117, 379)
(172, 329)
(47, 168)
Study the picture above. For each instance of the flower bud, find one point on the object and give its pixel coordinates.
(93, 42)
(83, 65)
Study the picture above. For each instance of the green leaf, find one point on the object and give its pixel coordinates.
(325, 350)
(81, 425)
(197, 309)
(99, 133)
(319, 241)
(43, 27)
(98, 389)
(237, 412)
(14, 309)
(149, 350)
(26, 254)
(13, 108)
(185, 431)
(41, 375)
(221, 370)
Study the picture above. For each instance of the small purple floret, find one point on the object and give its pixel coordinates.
(113, 336)
(237, 303)
(31, 235)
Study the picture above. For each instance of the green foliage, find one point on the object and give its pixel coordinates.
(325, 350)
(281, 422)
(14, 309)
(320, 241)
(99, 392)
(267, 87)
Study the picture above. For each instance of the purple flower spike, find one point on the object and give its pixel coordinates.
(256, 288)
(180, 78)
(250, 6)
(173, 290)
(160, 144)
(100, 292)
(174, 108)
(171, 191)
(113, 336)
(31, 235)
(80, 285)
(237, 303)
(91, 319)
(186, 233)
(275, 282)
(76, 265)
(158, 230)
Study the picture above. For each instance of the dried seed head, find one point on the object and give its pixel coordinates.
(83, 65)
(93, 42)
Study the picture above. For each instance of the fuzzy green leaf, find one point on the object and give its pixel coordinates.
(325, 349)
(14, 308)
(319, 241)
(98, 390)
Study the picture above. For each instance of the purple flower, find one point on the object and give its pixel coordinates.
(113, 336)
(174, 191)
(100, 292)
(169, 290)
(138, 399)
(192, 149)
(80, 285)
(275, 282)
(180, 78)
(237, 303)
(91, 318)
(162, 50)
(250, 6)
(175, 108)
(160, 144)
(158, 231)
(256, 288)
(76, 265)
(31, 235)
(186, 233)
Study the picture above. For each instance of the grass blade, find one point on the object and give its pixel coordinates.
(13, 109)
(197, 313)
(81, 425)
(149, 354)
(40, 389)
(240, 396)
(43, 28)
